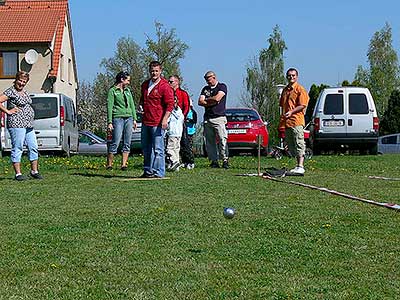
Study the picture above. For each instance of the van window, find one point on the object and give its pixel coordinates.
(390, 139)
(333, 104)
(358, 104)
(45, 107)
(68, 110)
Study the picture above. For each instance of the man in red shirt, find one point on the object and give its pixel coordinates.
(157, 101)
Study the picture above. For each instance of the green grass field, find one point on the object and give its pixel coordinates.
(87, 233)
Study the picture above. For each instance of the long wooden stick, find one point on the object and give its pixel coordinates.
(259, 153)
(384, 178)
(322, 189)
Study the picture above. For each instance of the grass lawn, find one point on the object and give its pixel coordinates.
(86, 233)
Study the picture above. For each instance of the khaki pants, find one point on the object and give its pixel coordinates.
(173, 147)
(213, 129)
(294, 137)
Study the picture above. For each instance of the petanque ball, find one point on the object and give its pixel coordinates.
(229, 212)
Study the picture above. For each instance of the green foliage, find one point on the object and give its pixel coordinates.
(314, 92)
(264, 73)
(127, 57)
(345, 83)
(384, 67)
(390, 122)
(87, 233)
(167, 48)
(87, 104)
(131, 57)
(383, 74)
(361, 78)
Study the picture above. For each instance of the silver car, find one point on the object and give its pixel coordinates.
(136, 140)
(389, 143)
(91, 144)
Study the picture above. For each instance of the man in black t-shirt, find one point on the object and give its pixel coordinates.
(213, 98)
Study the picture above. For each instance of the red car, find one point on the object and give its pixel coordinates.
(244, 125)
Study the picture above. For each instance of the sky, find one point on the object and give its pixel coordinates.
(325, 40)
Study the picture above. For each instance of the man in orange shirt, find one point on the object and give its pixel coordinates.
(294, 100)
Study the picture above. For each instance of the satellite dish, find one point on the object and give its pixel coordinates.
(31, 56)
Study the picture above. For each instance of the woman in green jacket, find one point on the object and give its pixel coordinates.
(121, 118)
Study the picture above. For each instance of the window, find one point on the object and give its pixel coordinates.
(68, 111)
(84, 139)
(241, 115)
(45, 107)
(390, 139)
(358, 104)
(69, 70)
(8, 64)
(62, 67)
(333, 104)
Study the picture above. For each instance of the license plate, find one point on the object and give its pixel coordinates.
(236, 131)
(333, 123)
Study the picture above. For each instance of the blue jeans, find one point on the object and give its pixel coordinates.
(122, 128)
(153, 150)
(19, 136)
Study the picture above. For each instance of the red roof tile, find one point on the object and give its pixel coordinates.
(24, 21)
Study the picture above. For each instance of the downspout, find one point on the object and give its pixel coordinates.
(50, 46)
(51, 68)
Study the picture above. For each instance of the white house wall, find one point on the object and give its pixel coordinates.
(66, 84)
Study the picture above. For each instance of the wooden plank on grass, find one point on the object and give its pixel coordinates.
(143, 179)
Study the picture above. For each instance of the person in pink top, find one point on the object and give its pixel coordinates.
(157, 101)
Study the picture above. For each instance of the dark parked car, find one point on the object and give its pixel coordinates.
(91, 144)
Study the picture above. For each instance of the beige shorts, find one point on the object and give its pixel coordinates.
(294, 137)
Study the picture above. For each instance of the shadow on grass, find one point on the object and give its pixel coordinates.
(7, 178)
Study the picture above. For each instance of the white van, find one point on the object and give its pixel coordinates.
(345, 117)
(55, 124)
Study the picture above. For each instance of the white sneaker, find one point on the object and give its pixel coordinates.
(190, 166)
(297, 170)
(174, 166)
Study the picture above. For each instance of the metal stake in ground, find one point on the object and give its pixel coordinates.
(259, 139)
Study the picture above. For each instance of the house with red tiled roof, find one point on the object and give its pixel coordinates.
(36, 36)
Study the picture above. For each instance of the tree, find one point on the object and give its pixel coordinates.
(361, 78)
(127, 57)
(89, 109)
(131, 57)
(383, 74)
(264, 73)
(168, 49)
(390, 122)
(314, 92)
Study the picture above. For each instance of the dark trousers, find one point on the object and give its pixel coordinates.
(186, 147)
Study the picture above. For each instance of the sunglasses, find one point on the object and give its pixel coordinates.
(171, 81)
(291, 75)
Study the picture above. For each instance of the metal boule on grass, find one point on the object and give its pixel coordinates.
(229, 212)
